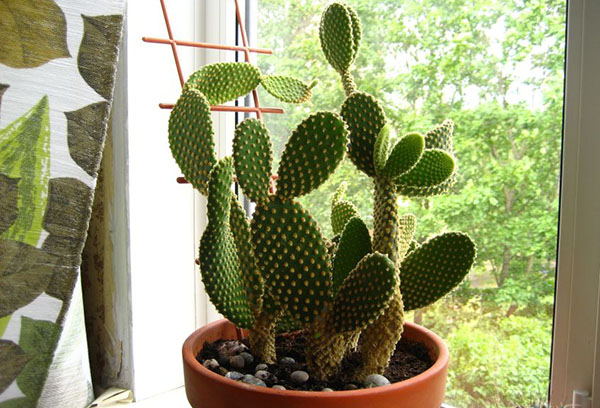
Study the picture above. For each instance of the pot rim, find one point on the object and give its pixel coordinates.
(440, 364)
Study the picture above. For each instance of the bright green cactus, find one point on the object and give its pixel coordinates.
(224, 81)
(287, 89)
(415, 165)
(253, 158)
(355, 243)
(341, 210)
(277, 272)
(311, 155)
(191, 137)
(365, 119)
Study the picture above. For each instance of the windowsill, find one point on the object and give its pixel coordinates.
(177, 399)
(172, 399)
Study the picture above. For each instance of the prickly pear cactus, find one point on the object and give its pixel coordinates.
(277, 271)
(414, 165)
(191, 137)
(287, 89)
(341, 210)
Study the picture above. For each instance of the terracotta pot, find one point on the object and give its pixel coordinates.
(206, 389)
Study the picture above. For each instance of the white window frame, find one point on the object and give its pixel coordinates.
(576, 340)
(159, 294)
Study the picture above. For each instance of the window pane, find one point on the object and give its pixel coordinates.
(496, 68)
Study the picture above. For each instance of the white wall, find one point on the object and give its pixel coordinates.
(161, 217)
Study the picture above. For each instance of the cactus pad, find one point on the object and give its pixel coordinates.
(292, 257)
(435, 268)
(219, 191)
(251, 278)
(253, 157)
(287, 324)
(365, 293)
(356, 30)
(355, 243)
(224, 81)
(406, 231)
(441, 137)
(365, 119)
(339, 40)
(339, 193)
(191, 138)
(287, 89)
(219, 262)
(341, 210)
(381, 149)
(405, 154)
(312, 154)
(434, 167)
(414, 191)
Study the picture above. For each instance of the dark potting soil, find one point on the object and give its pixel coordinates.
(409, 359)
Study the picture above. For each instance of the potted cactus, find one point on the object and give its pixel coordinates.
(276, 272)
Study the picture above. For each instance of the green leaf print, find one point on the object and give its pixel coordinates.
(25, 155)
(33, 33)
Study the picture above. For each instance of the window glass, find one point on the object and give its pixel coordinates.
(496, 69)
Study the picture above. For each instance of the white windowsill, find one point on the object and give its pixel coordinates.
(172, 399)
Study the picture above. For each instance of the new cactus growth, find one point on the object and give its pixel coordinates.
(277, 271)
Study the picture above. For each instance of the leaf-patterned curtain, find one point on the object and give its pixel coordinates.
(57, 70)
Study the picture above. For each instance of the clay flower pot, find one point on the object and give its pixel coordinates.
(206, 389)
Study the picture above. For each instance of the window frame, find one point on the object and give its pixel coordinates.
(577, 307)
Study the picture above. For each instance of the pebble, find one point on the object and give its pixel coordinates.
(234, 375)
(250, 379)
(287, 361)
(237, 362)
(238, 348)
(231, 348)
(375, 380)
(327, 389)
(350, 387)
(262, 374)
(299, 377)
(248, 358)
(222, 371)
(262, 367)
(211, 364)
(278, 387)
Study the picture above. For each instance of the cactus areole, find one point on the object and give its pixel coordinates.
(277, 271)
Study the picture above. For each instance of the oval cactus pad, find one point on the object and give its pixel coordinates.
(219, 263)
(340, 35)
(311, 155)
(435, 268)
(191, 137)
(292, 257)
(253, 157)
(365, 119)
(224, 81)
(287, 89)
(365, 293)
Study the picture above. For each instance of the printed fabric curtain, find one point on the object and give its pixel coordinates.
(57, 71)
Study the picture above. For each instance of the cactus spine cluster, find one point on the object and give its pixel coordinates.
(277, 271)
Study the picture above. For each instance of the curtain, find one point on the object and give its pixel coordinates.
(57, 70)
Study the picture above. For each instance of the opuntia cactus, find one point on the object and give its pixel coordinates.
(415, 165)
(277, 271)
